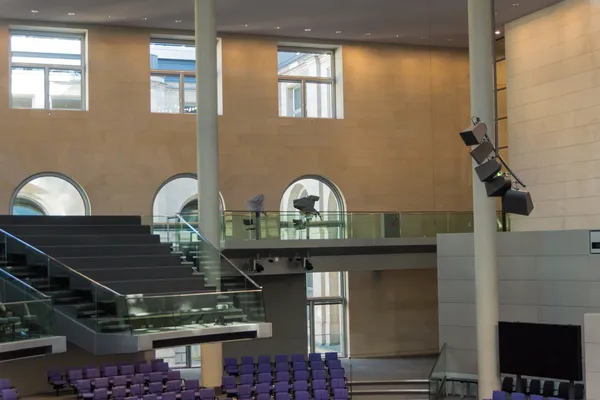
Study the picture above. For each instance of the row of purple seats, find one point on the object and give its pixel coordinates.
(244, 392)
(230, 387)
(285, 367)
(284, 376)
(501, 395)
(232, 367)
(157, 387)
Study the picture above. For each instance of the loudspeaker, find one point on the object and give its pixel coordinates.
(474, 135)
(482, 152)
(488, 170)
(498, 186)
(517, 202)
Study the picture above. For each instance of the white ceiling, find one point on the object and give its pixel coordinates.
(431, 22)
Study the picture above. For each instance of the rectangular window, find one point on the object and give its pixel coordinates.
(47, 70)
(173, 76)
(306, 83)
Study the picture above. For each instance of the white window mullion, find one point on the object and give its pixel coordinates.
(47, 88)
(181, 93)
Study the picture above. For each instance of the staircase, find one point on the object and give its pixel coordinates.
(112, 275)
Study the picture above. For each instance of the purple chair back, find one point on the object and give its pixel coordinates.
(230, 362)
(282, 387)
(264, 368)
(263, 388)
(188, 395)
(160, 367)
(282, 396)
(138, 379)
(136, 390)
(247, 369)
(101, 383)
(334, 364)
(300, 366)
(149, 397)
(127, 369)
(298, 358)
(331, 356)
(315, 357)
(207, 394)
(317, 365)
(281, 358)
(339, 384)
(74, 375)
(156, 377)
(319, 385)
(263, 396)
(336, 373)
(120, 380)
(174, 375)
(174, 386)
(169, 396)
(244, 392)
(53, 375)
(301, 376)
(100, 394)
(144, 368)
(265, 378)
(110, 371)
(4, 384)
(282, 376)
(83, 386)
(91, 373)
(319, 375)
(302, 395)
(499, 395)
(157, 360)
(247, 360)
(300, 386)
(340, 394)
(228, 382)
(9, 394)
(517, 396)
(535, 397)
(281, 366)
(192, 384)
(247, 379)
(321, 394)
(155, 387)
(119, 392)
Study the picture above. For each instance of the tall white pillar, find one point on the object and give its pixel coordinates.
(207, 142)
(481, 60)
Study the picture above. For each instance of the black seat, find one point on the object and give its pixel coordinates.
(548, 389)
(535, 386)
(563, 390)
(523, 388)
(579, 391)
(507, 384)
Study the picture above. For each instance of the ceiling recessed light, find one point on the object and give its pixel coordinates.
(71, 14)
(277, 27)
(34, 11)
(497, 32)
(397, 35)
(108, 16)
(368, 34)
(449, 40)
(307, 30)
(177, 21)
(515, 4)
(338, 32)
(246, 25)
(423, 37)
(144, 18)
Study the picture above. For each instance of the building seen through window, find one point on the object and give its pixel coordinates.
(47, 70)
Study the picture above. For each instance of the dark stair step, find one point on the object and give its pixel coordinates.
(44, 230)
(116, 274)
(82, 240)
(70, 220)
(190, 284)
(83, 263)
(60, 252)
(66, 300)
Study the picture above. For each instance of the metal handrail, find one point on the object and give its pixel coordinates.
(58, 262)
(25, 284)
(162, 296)
(214, 247)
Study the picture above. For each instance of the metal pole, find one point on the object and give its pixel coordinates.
(481, 60)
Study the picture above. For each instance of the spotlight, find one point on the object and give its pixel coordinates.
(307, 265)
(517, 202)
(498, 186)
(488, 170)
(257, 267)
(474, 135)
(482, 152)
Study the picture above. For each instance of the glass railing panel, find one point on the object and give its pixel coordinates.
(437, 376)
(72, 293)
(24, 320)
(156, 313)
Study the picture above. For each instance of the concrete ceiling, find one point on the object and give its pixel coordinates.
(429, 22)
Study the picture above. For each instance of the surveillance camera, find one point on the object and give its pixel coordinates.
(271, 260)
(307, 265)
(259, 268)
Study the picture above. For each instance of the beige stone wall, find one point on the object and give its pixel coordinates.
(393, 312)
(553, 79)
(396, 149)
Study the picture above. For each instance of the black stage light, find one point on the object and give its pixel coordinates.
(498, 186)
(308, 265)
(482, 152)
(474, 135)
(488, 170)
(517, 202)
(257, 267)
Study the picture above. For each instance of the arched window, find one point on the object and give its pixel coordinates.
(49, 194)
(329, 224)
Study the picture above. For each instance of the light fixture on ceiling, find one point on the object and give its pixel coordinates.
(367, 34)
(307, 30)
(497, 32)
(144, 18)
(515, 4)
(338, 32)
(245, 25)
(108, 16)
(423, 37)
(277, 27)
(71, 14)
(177, 21)
(397, 35)
(34, 11)
(449, 40)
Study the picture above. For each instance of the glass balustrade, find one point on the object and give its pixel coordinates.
(437, 376)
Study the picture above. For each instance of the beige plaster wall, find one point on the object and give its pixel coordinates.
(553, 80)
(396, 148)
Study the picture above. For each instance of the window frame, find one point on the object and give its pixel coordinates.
(304, 80)
(48, 67)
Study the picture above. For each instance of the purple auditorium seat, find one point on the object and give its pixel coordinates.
(149, 397)
(337, 374)
(101, 383)
(5, 384)
(119, 380)
(262, 388)
(317, 365)
(188, 395)
(247, 379)
(169, 396)
(192, 384)
(319, 385)
(300, 386)
(230, 366)
(264, 368)
(265, 378)
(247, 369)
(131, 398)
(247, 360)
(299, 366)
(100, 394)
(536, 397)
(174, 386)
(298, 358)
(156, 361)
(331, 356)
(281, 387)
(263, 396)
(174, 376)
(155, 377)
(282, 396)
(498, 395)
(244, 392)
(340, 394)
(341, 384)
(119, 392)
(9, 394)
(280, 366)
(155, 388)
(301, 395)
(91, 373)
(264, 360)
(283, 376)
(160, 367)
(334, 364)
(127, 370)
(301, 376)
(315, 357)
(281, 358)
(138, 379)
(228, 385)
(55, 379)
(84, 388)
(145, 369)
(207, 394)
(111, 371)
(319, 375)
(518, 396)
(136, 390)
(74, 375)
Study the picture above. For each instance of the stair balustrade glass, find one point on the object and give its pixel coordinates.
(227, 296)
(437, 376)
(25, 313)
(71, 293)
